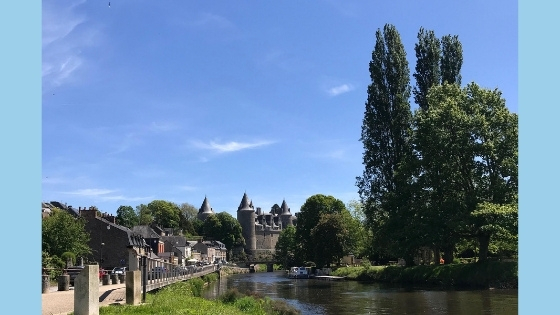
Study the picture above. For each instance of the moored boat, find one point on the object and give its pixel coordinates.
(298, 273)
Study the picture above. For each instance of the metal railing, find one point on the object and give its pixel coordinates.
(157, 274)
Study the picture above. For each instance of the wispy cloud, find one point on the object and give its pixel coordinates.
(162, 126)
(187, 188)
(90, 192)
(212, 20)
(231, 146)
(337, 90)
(125, 198)
(63, 39)
(105, 195)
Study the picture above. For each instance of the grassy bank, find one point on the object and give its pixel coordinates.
(490, 274)
(185, 298)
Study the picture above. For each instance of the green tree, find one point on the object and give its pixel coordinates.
(212, 227)
(384, 187)
(358, 228)
(308, 218)
(285, 249)
(224, 228)
(428, 55)
(467, 141)
(144, 215)
(188, 211)
(186, 217)
(61, 233)
(332, 238)
(126, 216)
(165, 213)
(437, 62)
(498, 224)
(451, 59)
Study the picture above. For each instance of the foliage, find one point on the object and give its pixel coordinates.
(225, 228)
(68, 256)
(188, 211)
(451, 60)
(467, 142)
(360, 234)
(144, 215)
(428, 53)
(165, 213)
(308, 218)
(385, 187)
(61, 233)
(286, 247)
(198, 226)
(472, 275)
(179, 298)
(127, 217)
(334, 236)
(499, 224)
(252, 302)
(53, 263)
(187, 216)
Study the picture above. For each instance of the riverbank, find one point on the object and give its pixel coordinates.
(479, 275)
(186, 298)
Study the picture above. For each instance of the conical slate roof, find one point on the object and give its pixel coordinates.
(205, 208)
(285, 209)
(245, 204)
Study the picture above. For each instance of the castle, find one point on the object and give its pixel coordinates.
(259, 229)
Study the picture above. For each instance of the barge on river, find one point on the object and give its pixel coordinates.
(298, 273)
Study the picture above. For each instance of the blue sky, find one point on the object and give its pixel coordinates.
(179, 100)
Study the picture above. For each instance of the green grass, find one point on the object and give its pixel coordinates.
(475, 275)
(185, 298)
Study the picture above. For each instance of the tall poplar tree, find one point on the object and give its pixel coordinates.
(451, 59)
(428, 55)
(437, 62)
(386, 130)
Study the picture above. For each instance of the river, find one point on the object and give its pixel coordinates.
(315, 297)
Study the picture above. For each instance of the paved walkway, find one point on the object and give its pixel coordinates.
(62, 302)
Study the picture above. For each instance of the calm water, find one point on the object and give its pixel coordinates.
(352, 297)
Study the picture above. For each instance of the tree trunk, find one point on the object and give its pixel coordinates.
(448, 255)
(437, 256)
(484, 242)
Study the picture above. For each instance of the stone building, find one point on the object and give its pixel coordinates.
(112, 245)
(205, 210)
(261, 230)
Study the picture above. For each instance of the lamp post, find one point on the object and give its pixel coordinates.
(102, 244)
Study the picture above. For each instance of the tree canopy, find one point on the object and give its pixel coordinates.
(286, 247)
(61, 233)
(309, 216)
(224, 228)
(126, 216)
(164, 213)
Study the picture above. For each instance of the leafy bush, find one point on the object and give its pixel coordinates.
(231, 296)
(196, 286)
(68, 256)
(247, 304)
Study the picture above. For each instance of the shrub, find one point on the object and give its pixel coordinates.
(196, 286)
(231, 296)
(247, 304)
(68, 256)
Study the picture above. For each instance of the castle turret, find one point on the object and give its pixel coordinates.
(246, 217)
(285, 216)
(205, 210)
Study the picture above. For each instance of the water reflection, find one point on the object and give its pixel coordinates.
(351, 297)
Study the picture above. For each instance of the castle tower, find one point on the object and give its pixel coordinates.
(285, 215)
(246, 217)
(205, 210)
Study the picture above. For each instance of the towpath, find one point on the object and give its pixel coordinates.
(62, 302)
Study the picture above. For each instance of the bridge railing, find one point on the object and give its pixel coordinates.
(159, 274)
